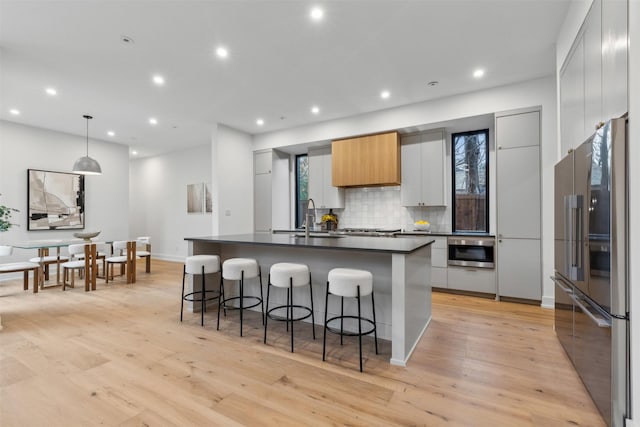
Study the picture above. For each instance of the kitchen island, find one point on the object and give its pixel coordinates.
(400, 268)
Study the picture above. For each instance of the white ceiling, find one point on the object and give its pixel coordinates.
(280, 62)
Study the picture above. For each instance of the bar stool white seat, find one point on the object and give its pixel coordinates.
(288, 276)
(202, 265)
(239, 269)
(349, 283)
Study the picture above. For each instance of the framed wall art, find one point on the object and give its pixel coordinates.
(55, 200)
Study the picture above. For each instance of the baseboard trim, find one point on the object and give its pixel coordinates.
(548, 302)
(400, 362)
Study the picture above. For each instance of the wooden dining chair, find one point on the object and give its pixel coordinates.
(143, 250)
(78, 261)
(124, 254)
(15, 267)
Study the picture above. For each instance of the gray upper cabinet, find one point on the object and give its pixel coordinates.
(572, 100)
(614, 58)
(423, 169)
(262, 164)
(324, 194)
(519, 130)
(593, 79)
(592, 71)
(271, 194)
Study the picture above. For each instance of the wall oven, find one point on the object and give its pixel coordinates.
(472, 251)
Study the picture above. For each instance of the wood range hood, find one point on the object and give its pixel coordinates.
(365, 161)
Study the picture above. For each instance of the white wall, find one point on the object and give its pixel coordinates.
(106, 199)
(158, 200)
(634, 199)
(539, 92)
(233, 175)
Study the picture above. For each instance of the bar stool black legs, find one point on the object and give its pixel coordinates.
(202, 265)
(344, 282)
(289, 276)
(239, 269)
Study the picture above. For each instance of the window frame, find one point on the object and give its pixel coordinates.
(453, 179)
(299, 219)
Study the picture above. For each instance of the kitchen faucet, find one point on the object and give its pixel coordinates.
(310, 218)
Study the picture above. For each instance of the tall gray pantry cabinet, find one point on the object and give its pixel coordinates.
(519, 268)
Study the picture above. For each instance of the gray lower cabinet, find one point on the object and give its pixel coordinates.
(472, 279)
(439, 262)
(519, 273)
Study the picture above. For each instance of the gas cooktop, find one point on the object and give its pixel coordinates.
(362, 231)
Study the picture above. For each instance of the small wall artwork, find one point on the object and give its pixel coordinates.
(195, 198)
(55, 199)
(208, 202)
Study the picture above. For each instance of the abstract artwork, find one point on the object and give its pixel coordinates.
(56, 200)
(195, 198)
(208, 202)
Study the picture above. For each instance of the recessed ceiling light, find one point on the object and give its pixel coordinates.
(51, 91)
(153, 121)
(158, 80)
(127, 40)
(316, 14)
(222, 52)
(15, 112)
(315, 109)
(385, 94)
(111, 133)
(259, 122)
(134, 152)
(478, 73)
(433, 83)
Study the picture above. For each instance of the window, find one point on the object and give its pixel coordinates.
(470, 166)
(302, 188)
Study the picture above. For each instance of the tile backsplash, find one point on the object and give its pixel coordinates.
(379, 207)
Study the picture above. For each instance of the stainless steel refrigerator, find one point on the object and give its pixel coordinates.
(591, 293)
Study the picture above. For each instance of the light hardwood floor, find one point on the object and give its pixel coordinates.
(119, 356)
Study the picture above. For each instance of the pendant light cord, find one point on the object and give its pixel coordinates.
(87, 137)
(88, 118)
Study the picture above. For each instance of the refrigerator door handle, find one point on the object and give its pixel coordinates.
(561, 285)
(574, 231)
(598, 320)
(568, 236)
(579, 237)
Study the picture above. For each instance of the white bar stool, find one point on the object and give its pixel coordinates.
(203, 265)
(288, 276)
(239, 269)
(349, 283)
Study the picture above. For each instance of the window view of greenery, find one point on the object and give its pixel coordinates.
(302, 188)
(470, 181)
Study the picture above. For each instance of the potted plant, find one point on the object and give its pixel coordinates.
(5, 217)
(330, 221)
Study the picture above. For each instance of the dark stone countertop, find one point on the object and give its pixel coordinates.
(321, 241)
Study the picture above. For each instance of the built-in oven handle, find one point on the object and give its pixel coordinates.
(598, 320)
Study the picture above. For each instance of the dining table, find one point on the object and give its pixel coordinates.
(40, 245)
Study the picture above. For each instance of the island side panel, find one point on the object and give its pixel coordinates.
(411, 290)
(320, 261)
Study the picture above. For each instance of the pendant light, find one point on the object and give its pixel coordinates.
(86, 165)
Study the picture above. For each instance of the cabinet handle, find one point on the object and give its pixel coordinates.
(499, 147)
(499, 240)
